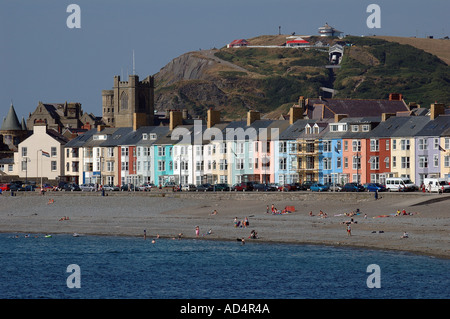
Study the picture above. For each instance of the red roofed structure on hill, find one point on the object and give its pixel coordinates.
(296, 41)
(238, 43)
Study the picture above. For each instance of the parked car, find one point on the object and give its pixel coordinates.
(437, 185)
(274, 187)
(353, 187)
(258, 187)
(372, 187)
(48, 187)
(400, 184)
(28, 188)
(110, 187)
(289, 188)
(73, 187)
(221, 187)
(171, 185)
(318, 188)
(334, 187)
(188, 188)
(63, 186)
(307, 184)
(146, 187)
(206, 187)
(15, 187)
(129, 187)
(5, 187)
(88, 187)
(243, 186)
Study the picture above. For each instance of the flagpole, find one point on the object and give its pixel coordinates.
(41, 167)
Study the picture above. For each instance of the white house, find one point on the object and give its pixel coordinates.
(41, 154)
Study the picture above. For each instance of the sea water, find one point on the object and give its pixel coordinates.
(129, 267)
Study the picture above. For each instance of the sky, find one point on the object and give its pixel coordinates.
(42, 59)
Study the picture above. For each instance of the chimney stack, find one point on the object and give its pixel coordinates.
(213, 118)
(176, 118)
(295, 113)
(395, 97)
(385, 116)
(252, 116)
(139, 119)
(338, 117)
(185, 114)
(436, 109)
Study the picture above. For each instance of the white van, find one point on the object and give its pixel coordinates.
(399, 184)
(436, 185)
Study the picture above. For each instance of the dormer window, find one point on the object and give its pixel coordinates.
(354, 128)
(366, 128)
(308, 129)
(144, 136)
(153, 136)
(316, 129)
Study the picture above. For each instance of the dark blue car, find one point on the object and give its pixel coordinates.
(353, 187)
(372, 187)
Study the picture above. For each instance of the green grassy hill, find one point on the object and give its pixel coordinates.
(373, 68)
(235, 80)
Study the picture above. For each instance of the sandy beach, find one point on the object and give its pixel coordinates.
(168, 214)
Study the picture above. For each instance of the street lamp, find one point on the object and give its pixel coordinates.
(180, 158)
(357, 166)
(25, 160)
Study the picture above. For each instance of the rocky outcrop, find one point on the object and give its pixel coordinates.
(189, 66)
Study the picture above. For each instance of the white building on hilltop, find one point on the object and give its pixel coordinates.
(328, 31)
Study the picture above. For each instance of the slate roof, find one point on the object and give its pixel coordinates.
(81, 140)
(295, 130)
(327, 108)
(410, 127)
(435, 127)
(11, 122)
(158, 130)
(117, 137)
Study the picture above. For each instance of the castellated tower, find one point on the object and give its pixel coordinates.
(130, 103)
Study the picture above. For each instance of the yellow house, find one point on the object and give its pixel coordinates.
(402, 157)
(445, 155)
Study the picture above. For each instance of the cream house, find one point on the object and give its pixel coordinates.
(444, 148)
(40, 155)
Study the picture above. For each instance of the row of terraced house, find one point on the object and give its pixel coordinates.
(326, 141)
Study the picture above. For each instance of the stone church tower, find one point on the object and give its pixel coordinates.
(130, 103)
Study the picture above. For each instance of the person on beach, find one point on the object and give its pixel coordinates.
(214, 212)
(197, 231)
(376, 194)
(405, 235)
(349, 230)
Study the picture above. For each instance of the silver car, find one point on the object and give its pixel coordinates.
(87, 187)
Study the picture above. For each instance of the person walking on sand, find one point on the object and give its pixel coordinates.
(349, 230)
(197, 231)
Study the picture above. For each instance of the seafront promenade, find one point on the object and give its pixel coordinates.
(317, 218)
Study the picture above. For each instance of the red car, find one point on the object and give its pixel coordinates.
(5, 187)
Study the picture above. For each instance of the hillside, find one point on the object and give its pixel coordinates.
(372, 68)
(271, 79)
(437, 47)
